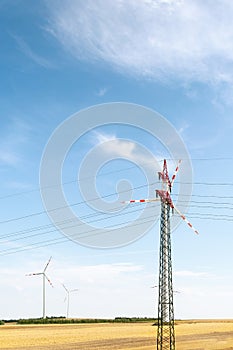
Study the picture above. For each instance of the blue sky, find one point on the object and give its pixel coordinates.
(174, 57)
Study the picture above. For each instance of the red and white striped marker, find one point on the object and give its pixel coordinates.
(175, 173)
(142, 200)
(164, 195)
(184, 218)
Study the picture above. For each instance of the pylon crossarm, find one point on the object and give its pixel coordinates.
(185, 219)
(148, 200)
(165, 197)
(175, 173)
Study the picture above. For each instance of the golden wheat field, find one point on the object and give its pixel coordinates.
(190, 335)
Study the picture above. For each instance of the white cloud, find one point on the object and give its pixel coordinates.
(101, 92)
(99, 274)
(105, 290)
(9, 158)
(13, 137)
(185, 40)
(26, 49)
(183, 128)
(187, 273)
(117, 148)
(100, 137)
(122, 148)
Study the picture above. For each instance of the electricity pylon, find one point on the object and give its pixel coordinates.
(165, 329)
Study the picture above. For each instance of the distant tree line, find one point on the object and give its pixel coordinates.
(61, 320)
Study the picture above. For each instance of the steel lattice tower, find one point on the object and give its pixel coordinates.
(166, 329)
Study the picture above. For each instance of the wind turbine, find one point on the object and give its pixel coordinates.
(68, 298)
(44, 277)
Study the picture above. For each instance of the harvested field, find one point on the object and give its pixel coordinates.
(190, 335)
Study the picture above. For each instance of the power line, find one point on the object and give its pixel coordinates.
(203, 196)
(107, 216)
(110, 195)
(46, 243)
(109, 173)
(213, 206)
(62, 240)
(207, 216)
(72, 204)
(116, 208)
(207, 183)
(76, 181)
(210, 216)
(114, 215)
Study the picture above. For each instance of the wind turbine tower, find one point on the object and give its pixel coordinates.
(44, 278)
(68, 298)
(165, 330)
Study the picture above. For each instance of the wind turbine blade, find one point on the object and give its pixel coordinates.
(65, 288)
(74, 290)
(142, 200)
(47, 264)
(65, 299)
(184, 218)
(175, 173)
(34, 274)
(48, 280)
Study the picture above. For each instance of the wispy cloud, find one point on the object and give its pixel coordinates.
(17, 185)
(158, 39)
(188, 273)
(9, 157)
(101, 92)
(35, 57)
(12, 137)
(184, 127)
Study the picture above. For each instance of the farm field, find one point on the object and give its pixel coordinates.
(190, 335)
